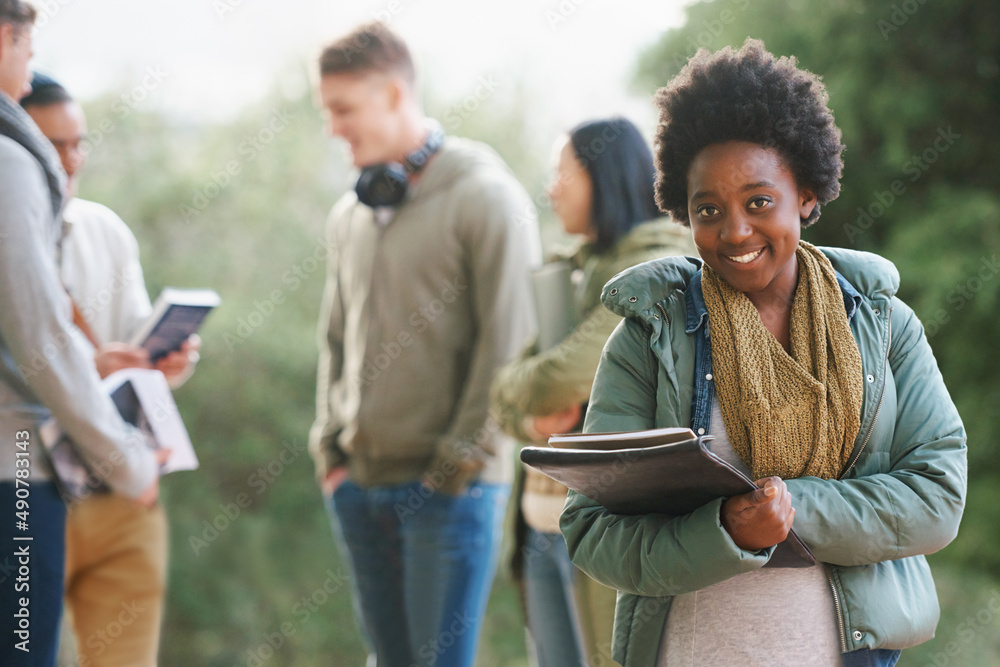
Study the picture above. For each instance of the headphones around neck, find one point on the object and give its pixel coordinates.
(386, 184)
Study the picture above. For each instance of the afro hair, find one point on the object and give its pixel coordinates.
(746, 95)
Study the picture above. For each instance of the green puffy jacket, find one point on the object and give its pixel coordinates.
(900, 497)
(540, 383)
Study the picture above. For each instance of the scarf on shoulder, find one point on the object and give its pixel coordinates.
(787, 414)
(17, 124)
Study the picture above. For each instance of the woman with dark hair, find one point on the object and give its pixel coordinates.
(810, 374)
(602, 192)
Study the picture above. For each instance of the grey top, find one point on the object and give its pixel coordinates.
(421, 306)
(770, 617)
(46, 366)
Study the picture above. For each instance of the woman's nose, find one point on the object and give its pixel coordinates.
(552, 189)
(736, 229)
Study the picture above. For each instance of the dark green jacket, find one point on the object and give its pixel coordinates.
(901, 496)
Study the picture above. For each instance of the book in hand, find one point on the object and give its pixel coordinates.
(552, 286)
(143, 399)
(176, 315)
(660, 471)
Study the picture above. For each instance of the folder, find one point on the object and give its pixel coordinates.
(667, 471)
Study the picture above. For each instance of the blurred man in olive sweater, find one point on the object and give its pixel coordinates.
(427, 295)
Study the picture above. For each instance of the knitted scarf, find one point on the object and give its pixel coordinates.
(17, 124)
(790, 415)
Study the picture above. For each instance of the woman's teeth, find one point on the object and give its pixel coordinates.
(749, 257)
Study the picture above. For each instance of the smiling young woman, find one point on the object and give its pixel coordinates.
(809, 374)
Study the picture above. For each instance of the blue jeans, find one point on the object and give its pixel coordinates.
(553, 615)
(36, 576)
(423, 564)
(879, 657)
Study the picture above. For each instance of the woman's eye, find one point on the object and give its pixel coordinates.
(759, 202)
(707, 210)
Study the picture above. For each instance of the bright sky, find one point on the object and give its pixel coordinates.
(205, 59)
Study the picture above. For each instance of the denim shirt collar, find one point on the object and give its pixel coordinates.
(697, 313)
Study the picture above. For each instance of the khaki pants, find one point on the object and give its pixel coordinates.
(116, 562)
(597, 615)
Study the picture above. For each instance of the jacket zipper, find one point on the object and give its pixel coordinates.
(840, 614)
(878, 408)
(854, 460)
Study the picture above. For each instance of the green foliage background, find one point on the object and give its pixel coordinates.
(899, 76)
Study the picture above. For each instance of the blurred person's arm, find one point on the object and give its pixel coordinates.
(36, 327)
(113, 357)
(133, 309)
(537, 395)
(177, 367)
(117, 245)
(330, 459)
(548, 383)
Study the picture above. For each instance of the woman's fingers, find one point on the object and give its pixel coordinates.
(770, 489)
(762, 517)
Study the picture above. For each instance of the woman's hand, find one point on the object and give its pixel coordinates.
(761, 518)
(558, 422)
